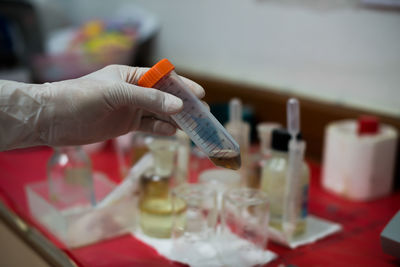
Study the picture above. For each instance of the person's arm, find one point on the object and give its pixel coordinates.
(102, 105)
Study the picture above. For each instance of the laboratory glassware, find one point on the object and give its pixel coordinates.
(70, 177)
(244, 226)
(293, 192)
(154, 201)
(155, 206)
(220, 179)
(195, 219)
(258, 159)
(163, 149)
(274, 180)
(195, 119)
(240, 131)
(264, 131)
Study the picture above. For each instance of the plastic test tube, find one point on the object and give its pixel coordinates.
(195, 119)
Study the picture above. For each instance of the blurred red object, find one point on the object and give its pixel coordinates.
(368, 125)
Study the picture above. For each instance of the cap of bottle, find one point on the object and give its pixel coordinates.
(153, 75)
(368, 125)
(281, 138)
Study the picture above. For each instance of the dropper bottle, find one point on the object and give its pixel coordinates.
(240, 131)
(274, 182)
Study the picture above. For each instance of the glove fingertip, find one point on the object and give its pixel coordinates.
(172, 104)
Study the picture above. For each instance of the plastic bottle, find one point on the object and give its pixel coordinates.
(274, 178)
(70, 177)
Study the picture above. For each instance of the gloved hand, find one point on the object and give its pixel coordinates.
(102, 105)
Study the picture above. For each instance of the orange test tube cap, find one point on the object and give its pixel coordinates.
(153, 75)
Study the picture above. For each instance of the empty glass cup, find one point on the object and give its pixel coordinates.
(194, 222)
(244, 227)
(220, 179)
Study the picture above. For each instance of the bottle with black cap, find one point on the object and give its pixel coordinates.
(273, 181)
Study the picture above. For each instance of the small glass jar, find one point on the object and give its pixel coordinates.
(70, 177)
(155, 206)
(273, 182)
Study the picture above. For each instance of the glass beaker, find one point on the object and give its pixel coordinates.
(220, 179)
(244, 226)
(194, 222)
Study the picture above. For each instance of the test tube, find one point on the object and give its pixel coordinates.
(195, 119)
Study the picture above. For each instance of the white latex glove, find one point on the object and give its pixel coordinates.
(93, 108)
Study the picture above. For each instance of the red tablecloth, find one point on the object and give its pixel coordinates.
(357, 245)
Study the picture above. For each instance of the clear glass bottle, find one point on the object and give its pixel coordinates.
(273, 182)
(155, 203)
(257, 160)
(70, 177)
(240, 131)
(163, 149)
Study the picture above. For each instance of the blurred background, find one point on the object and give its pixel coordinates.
(341, 51)
(342, 55)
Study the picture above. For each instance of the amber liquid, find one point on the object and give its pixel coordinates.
(157, 210)
(227, 159)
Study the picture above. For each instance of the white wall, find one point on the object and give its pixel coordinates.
(343, 54)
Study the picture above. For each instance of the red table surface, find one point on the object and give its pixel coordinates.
(357, 245)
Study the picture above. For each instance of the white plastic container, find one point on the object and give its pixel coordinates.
(78, 224)
(358, 167)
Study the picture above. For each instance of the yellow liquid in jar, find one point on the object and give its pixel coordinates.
(157, 216)
(273, 182)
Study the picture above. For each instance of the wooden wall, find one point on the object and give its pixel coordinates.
(270, 105)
